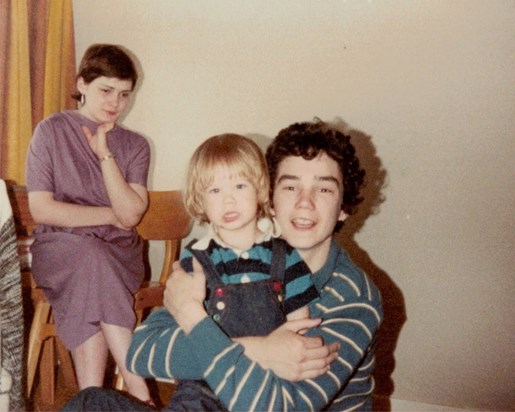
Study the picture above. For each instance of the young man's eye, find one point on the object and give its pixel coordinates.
(126, 95)
(326, 190)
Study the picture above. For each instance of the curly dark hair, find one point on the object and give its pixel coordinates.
(309, 139)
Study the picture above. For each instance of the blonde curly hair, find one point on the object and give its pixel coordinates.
(241, 156)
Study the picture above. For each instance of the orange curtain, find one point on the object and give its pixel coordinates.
(39, 65)
(4, 42)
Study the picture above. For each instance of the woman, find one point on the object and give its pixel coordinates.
(86, 178)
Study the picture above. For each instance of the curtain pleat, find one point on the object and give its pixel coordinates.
(19, 117)
(60, 54)
(40, 69)
(37, 37)
(4, 58)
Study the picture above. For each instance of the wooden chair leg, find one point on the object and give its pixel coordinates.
(41, 315)
(47, 372)
(119, 383)
(66, 365)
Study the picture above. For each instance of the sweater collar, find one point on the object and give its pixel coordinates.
(322, 276)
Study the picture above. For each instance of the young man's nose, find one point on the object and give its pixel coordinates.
(305, 199)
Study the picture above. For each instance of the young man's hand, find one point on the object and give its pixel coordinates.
(289, 354)
(184, 296)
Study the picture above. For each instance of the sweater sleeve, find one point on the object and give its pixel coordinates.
(159, 349)
(159, 340)
(351, 309)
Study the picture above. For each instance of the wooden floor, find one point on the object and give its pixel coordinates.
(161, 393)
(62, 396)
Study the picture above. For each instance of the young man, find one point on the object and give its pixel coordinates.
(315, 179)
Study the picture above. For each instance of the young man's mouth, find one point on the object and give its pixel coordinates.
(301, 223)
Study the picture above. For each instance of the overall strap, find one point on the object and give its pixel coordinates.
(212, 276)
(278, 265)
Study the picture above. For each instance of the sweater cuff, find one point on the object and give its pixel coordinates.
(208, 340)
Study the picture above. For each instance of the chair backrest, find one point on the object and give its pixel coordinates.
(24, 225)
(166, 219)
(20, 204)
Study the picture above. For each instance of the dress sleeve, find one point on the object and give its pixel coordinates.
(137, 171)
(39, 169)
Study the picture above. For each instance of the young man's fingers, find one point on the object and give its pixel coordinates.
(320, 360)
(302, 324)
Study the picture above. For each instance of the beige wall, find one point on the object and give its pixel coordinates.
(428, 86)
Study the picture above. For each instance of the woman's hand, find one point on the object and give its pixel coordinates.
(98, 141)
(289, 354)
(184, 296)
(128, 201)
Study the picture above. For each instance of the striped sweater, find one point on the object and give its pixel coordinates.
(350, 305)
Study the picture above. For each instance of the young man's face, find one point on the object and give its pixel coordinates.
(307, 202)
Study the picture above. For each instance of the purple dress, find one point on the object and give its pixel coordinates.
(88, 274)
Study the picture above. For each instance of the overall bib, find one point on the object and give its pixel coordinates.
(246, 309)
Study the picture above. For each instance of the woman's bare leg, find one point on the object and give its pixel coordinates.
(119, 339)
(90, 359)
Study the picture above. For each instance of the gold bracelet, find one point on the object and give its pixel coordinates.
(108, 156)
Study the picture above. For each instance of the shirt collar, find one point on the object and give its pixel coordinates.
(322, 276)
(268, 227)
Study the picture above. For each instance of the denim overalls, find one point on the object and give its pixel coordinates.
(246, 309)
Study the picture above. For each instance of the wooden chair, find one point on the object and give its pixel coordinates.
(43, 340)
(165, 220)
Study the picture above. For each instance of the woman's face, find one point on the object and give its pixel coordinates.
(105, 98)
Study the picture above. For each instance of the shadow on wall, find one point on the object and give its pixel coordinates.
(393, 300)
